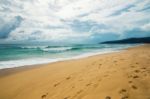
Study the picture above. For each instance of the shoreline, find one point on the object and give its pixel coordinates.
(116, 75)
(86, 55)
(12, 70)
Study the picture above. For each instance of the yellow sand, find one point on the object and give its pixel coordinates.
(119, 75)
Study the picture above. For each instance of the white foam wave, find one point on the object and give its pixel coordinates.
(59, 49)
(24, 62)
(33, 47)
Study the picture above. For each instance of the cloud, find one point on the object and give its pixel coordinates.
(123, 10)
(6, 28)
(146, 27)
(80, 21)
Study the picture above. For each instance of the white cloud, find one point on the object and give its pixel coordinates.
(146, 27)
(50, 20)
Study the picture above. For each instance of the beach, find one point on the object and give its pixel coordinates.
(118, 75)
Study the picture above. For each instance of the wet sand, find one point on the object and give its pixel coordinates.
(119, 75)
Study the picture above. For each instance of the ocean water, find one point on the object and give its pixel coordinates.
(24, 55)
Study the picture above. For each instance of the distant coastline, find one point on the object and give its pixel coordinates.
(129, 41)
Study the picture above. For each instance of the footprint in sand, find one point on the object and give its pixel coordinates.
(124, 97)
(115, 61)
(67, 97)
(55, 85)
(134, 87)
(79, 91)
(132, 66)
(99, 80)
(143, 68)
(130, 81)
(136, 63)
(135, 76)
(137, 71)
(107, 97)
(44, 96)
(68, 78)
(124, 94)
(88, 84)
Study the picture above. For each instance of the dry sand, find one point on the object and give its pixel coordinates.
(119, 75)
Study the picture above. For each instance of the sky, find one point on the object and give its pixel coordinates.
(73, 21)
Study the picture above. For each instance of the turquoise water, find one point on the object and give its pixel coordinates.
(19, 55)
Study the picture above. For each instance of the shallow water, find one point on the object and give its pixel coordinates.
(20, 55)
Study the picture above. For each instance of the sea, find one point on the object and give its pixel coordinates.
(15, 55)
